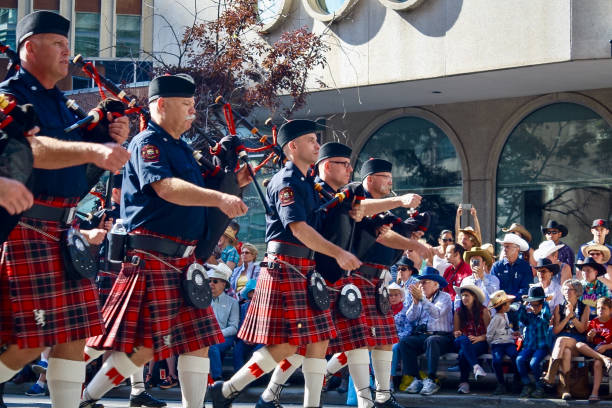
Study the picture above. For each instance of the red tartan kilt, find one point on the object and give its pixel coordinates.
(280, 311)
(352, 334)
(38, 306)
(104, 283)
(382, 327)
(146, 308)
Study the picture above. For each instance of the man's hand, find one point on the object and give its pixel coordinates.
(232, 206)
(356, 212)
(347, 261)
(383, 229)
(410, 200)
(416, 292)
(243, 177)
(94, 236)
(15, 198)
(119, 128)
(591, 333)
(110, 156)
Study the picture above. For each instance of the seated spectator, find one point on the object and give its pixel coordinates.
(514, 273)
(468, 237)
(593, 288)
(406, 276)
(457, 271)
(403, 326)
(248, 270)
(553, 231)
(598, 344)
(570, 320)
(501, 336)
(534, 315)
(470, 330)
(599, 229)
(545, 270)
(243, 350)
(480, 262)
(550, 251)
(229, 254)
(439, 258)
(522, 232)
(601, 255)
(431, 314)
(228, 315)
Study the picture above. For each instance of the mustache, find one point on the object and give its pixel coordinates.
(190, 117)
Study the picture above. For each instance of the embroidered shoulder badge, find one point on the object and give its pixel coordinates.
(286, 196)
(150, 153)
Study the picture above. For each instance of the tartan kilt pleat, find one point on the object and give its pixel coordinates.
(146, 308)
(280, 311)
(104, 283)
(352, 333)
(39, 306)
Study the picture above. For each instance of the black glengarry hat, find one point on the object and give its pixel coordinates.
(296, 128)
(171, 86)
(333, 149)
(375, 166)
(41, 22)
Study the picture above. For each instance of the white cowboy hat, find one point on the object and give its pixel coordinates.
(516, 240)
(472, 288)
(220, 271)
(545, 249)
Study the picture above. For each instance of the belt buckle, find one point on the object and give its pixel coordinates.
(69, 216)
(188, 251)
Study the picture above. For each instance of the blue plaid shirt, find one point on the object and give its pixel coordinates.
(535, 328)
(230, 254)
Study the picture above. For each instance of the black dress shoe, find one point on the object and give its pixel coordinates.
(216, 396)
(390, 403)
(144, 399)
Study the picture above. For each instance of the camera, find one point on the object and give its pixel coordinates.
(475, 262)
(420, 329)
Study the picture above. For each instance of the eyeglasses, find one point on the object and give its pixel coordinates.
(447, 240)
(549, 232)
(403, 268)
(215, 281)
(345, 164)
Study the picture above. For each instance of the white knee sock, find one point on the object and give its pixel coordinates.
(90, 354)
(359, 368)
(137, 380)
(65, 380)
(6, 373)
(381, 361)
(336, 363)
(193, 376)
(260, 363)
(314, 371)
(281, 374)
(116, 368)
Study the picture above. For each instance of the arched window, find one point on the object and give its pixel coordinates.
(556, 165)
(424, 162)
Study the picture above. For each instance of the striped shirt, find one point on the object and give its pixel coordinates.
(437, 314)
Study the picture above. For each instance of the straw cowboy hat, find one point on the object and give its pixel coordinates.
(500, 297)
(470, 231)
(597, 247)
(478, 251)
(516, 227)
(230, 234)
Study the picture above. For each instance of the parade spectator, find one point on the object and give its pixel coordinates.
(439, 258)
(402, 324)
(570, 320)
(242, 350)
(546, 270)
(534, 316)
(593, 288)
(431, 314)
(550, 251)
(228, 316)
(601, 255)
(522, 232)
(229, 254)
(468, 237)
(514, 273)
(501, 336)
(247, 271)
(406, 276)
(40, 368)
(553, 231)
(480, 262)
(599, 344)
(457, 271)
(600, 229)
(470, 331)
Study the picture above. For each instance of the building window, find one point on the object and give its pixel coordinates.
(401, 4)
(81, 82)
(555, 165)
(8, 22)
(328, 10)
(424, 162)
(272, 13)
(128, 36)
(87, 34)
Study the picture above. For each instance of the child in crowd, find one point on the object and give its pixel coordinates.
(501, 336)
(534, 315)
(599, 336)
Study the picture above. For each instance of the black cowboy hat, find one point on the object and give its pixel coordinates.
(535, 294)
(554, 224)
(405, 261)
(547, 263)
(588, 261)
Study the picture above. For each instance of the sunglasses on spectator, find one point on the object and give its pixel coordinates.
(403, 268)
(549, 232)
(447, 240)
(345, 164)
(593, 253)
(215, 281)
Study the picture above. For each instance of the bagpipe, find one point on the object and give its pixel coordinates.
(14, 60)
(16, 160)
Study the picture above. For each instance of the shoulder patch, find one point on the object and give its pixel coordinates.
(149, 153)
(286, 196)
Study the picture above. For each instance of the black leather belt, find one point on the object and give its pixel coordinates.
(64, 215)
(162, 245)
(283, 248)
(369, 271)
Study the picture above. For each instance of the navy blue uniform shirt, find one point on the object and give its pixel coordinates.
(50, 106)
(379, 253)
(292, 197)
(513, 278)
(155, 155)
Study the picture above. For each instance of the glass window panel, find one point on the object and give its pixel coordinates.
(424, 162)
(269, 10)
(330, 6)
(555, 165)
(87, 34)
(8, 22)
(128, 36)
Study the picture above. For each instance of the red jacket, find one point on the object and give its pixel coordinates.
(455, 276)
